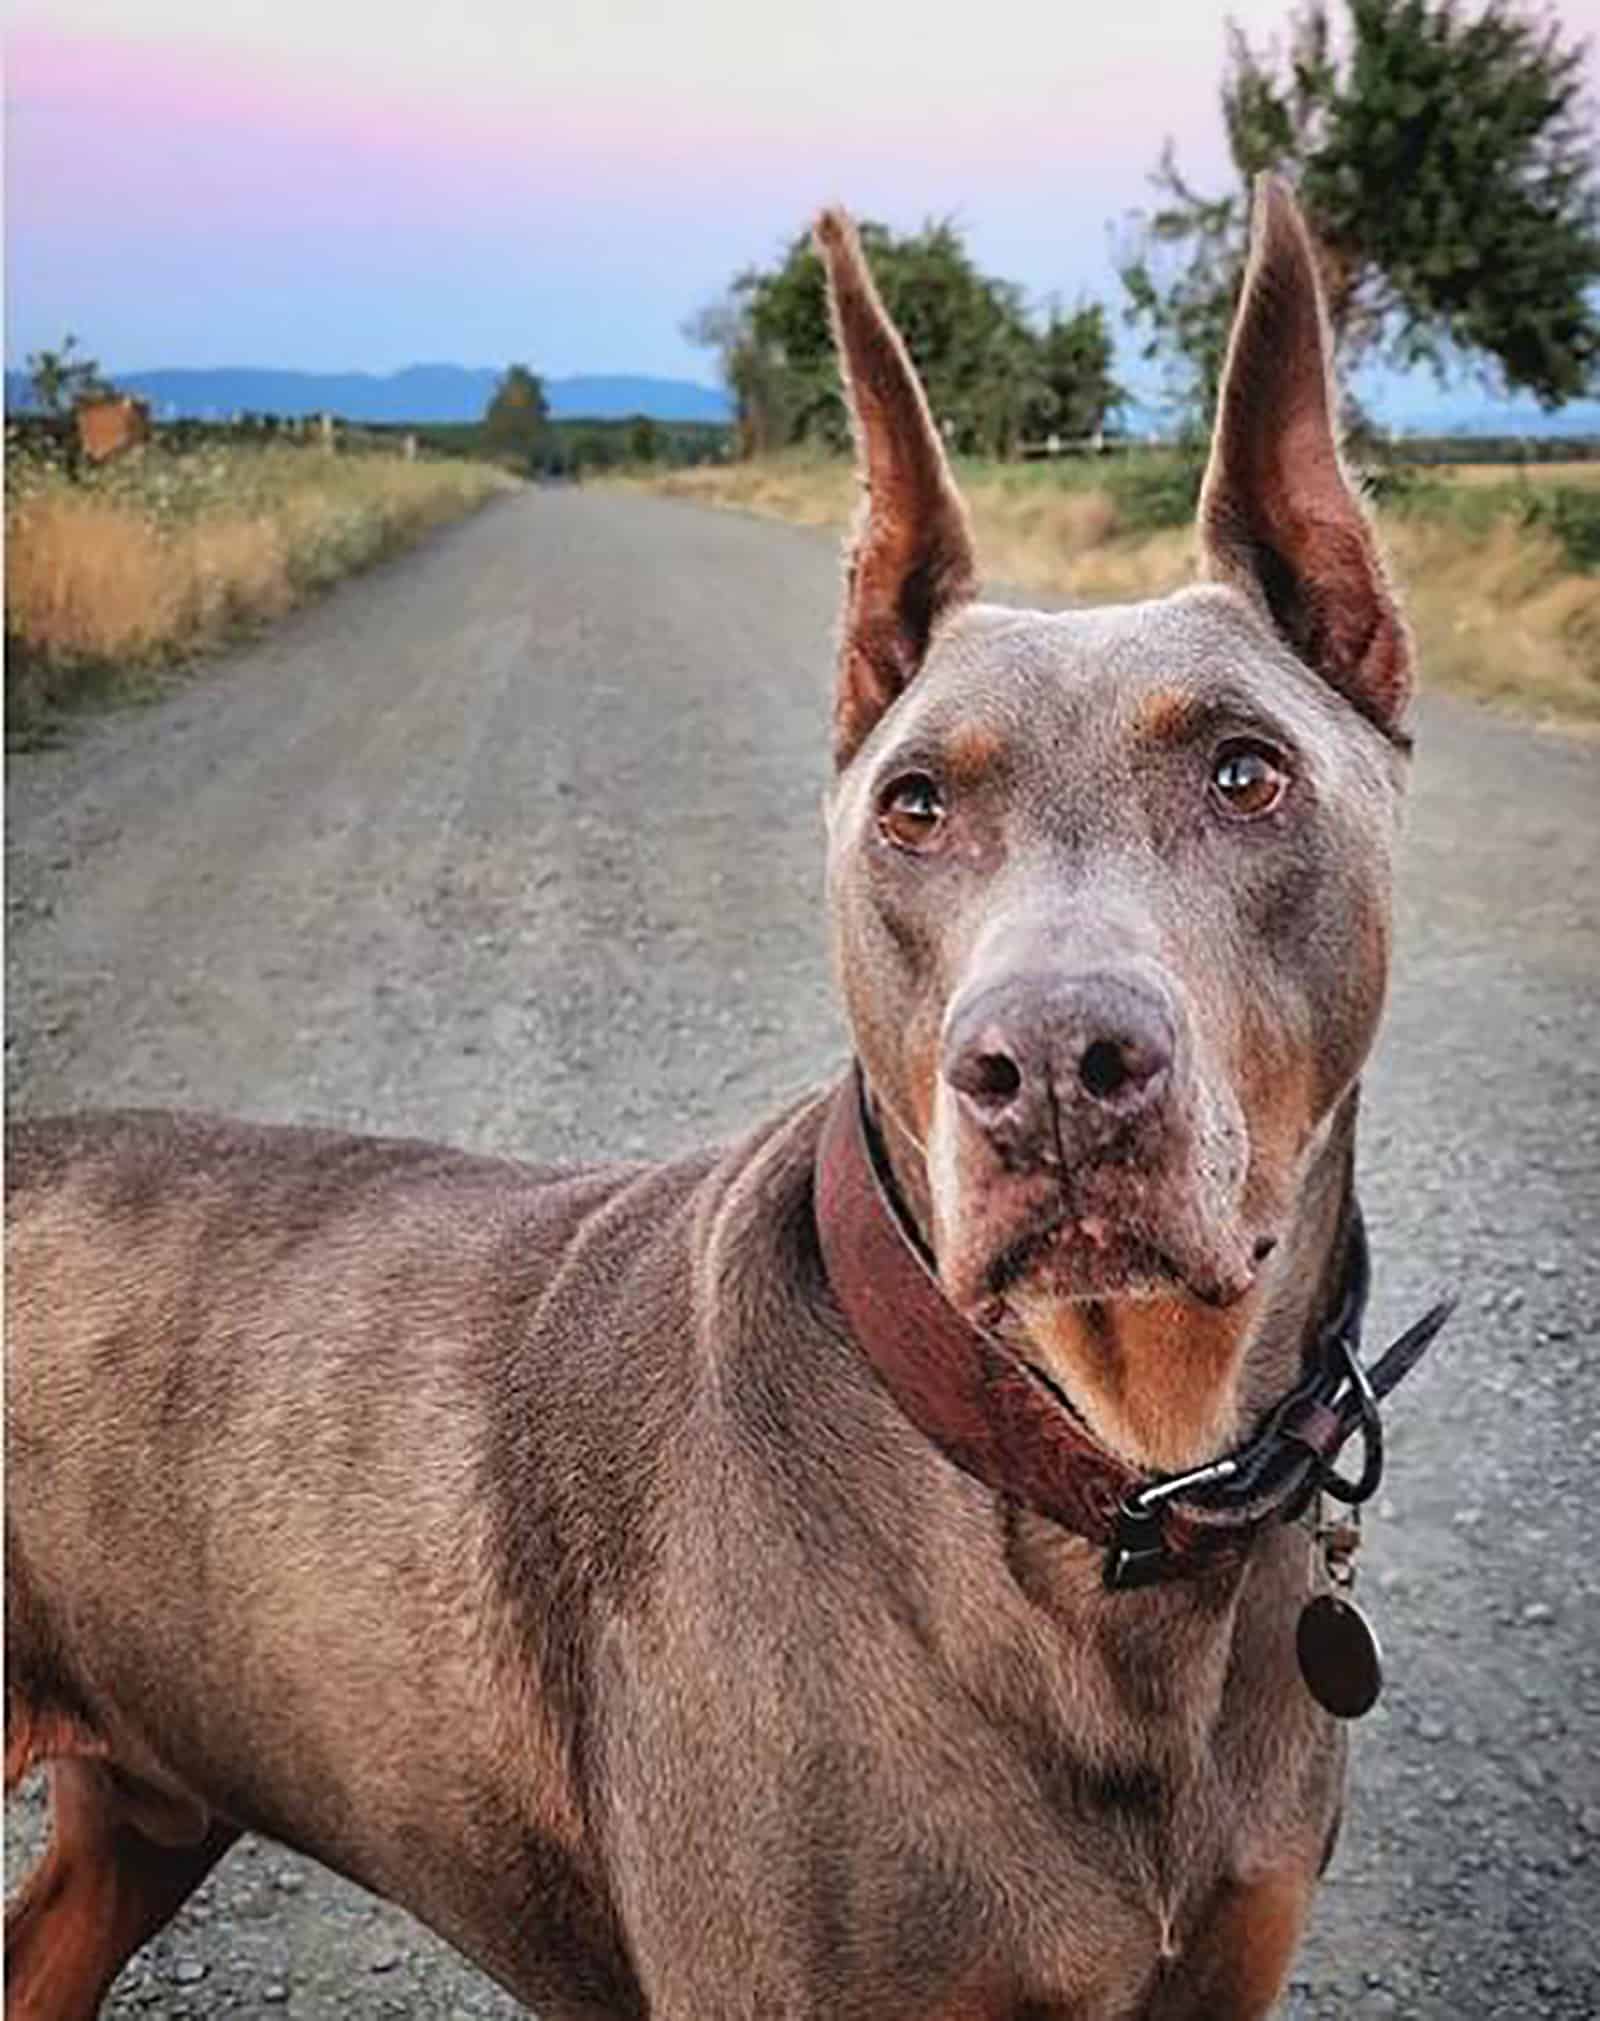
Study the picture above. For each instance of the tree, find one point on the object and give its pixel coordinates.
(1073, 365)
(990, 375)
(514, 421)
(1446, 168)
(644, 440)
(60, 379)
(753, 380)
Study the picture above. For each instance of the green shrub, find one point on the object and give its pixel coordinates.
(1573, 516)
(1155, 492)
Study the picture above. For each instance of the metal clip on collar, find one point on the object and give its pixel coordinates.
(1138, 1548)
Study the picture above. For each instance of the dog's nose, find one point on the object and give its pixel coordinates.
(1037, 1057)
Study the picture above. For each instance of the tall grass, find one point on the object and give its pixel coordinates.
(1501, 578)
(159, 556)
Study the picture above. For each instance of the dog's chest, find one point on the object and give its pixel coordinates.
(1092, 1890)
(1090, 1917)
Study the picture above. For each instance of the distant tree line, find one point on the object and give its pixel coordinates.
(518, 431)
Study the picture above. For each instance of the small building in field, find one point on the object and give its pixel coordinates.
(111, 427)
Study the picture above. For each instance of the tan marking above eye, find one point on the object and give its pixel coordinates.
(1164, 717)
(971, 752)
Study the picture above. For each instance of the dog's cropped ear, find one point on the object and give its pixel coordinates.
(911, 557)
(1278, 516)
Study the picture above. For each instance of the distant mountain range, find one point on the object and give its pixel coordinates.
(419, 393)
(461, 393)
(1464, 417)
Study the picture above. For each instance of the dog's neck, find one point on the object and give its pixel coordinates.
(1165, 1656)
(1168, 1383)
(1135, 1682)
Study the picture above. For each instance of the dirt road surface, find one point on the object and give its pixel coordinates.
(515, 843)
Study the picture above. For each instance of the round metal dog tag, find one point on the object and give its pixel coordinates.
(1339, 1656)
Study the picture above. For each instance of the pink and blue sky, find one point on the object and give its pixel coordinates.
(359, 185)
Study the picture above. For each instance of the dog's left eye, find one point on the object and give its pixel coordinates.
(911, 811)
(1248, 780)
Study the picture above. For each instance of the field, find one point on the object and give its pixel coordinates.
(115, 573)
(1500, 566)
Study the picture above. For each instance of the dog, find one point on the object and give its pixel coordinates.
(872, 1571)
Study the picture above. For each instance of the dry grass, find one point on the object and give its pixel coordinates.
(1582, 475)
(161, 556)
(1500, 615)
(1500, 612)
(806, 491)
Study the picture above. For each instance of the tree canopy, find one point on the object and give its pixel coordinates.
(61, 378)
(993, 377)
(514, 421)
(1446, 165)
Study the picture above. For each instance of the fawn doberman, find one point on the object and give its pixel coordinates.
(872, 1571)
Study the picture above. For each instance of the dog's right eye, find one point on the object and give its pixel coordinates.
(1249, 779)
(911, 811)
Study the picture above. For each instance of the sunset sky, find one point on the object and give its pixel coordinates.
(349, 185)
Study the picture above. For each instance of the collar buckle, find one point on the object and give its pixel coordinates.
(1137, 1553)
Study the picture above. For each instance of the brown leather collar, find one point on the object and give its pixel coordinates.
(1006, 1424)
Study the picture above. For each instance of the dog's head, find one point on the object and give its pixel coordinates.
(1110, 888)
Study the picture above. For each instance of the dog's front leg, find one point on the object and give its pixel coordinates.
(1240, 1957)
(101, 1890)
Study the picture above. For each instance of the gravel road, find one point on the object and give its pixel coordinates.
(515, 842)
